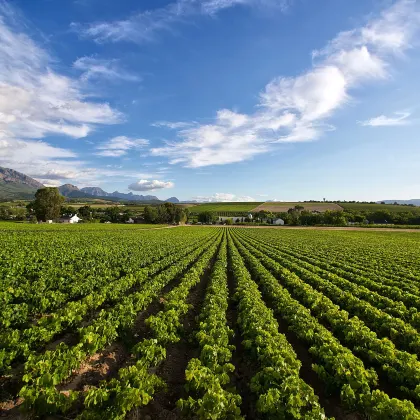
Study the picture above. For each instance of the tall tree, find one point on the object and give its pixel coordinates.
(47, 204)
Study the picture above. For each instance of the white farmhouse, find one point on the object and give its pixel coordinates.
(70, 219)
(279, 222)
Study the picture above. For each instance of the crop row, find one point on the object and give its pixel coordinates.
(135, 385)
(336, 365)
(351, 296)
(208, 376)
(280, 391)
(401, 368)
(43, 372)
(15, 342)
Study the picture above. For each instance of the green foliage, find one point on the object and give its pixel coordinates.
(206, 217)
(47, 204)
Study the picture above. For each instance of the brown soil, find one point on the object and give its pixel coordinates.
(98, 367)
(11, 410)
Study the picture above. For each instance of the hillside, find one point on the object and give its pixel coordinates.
(14, 185)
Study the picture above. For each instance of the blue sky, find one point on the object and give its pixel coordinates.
(223, 100)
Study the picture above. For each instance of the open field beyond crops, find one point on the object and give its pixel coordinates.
(114, 322)
(284, 206)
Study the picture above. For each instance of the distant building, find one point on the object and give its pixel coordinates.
(130, 220)
(279, 222)
(70, 219)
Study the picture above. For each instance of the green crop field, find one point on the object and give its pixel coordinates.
(114, 322)
(379, 207)
(223, 207)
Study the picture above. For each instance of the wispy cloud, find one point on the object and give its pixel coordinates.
(144, 26)
(150, 185)
(173, 125)
(401, 118)
(120, 146)
(223, 197)
(97, 68)
(36, 101)
(296, 109)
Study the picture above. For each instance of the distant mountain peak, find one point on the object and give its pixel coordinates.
(8, 175)
(172, 200)
(17, 186)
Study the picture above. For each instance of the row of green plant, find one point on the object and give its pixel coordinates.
(354, 291)
(135, 385)
(43, 372)
(343, 265)
(280, 391)
(404, 335)
(23, 342)
(401, 368)
(208, 377)
(41, 272)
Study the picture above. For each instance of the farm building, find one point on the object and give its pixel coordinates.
(279, 222)
(70, 219)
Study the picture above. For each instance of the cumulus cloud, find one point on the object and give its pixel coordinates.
(401, 118)
(296, 109)
(120, 146)
(150, 185)
(144, 26)
(96, 68)
(223, 197)
(36, 101)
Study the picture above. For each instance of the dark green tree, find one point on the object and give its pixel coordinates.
(85, 212)
(150, 214)
(47, 204)
(206, 217)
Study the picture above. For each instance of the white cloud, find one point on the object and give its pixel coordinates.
(56, 174)
(401, 118)
(150, 185)
(223, 197)
(36, 101)
(296, 109)
(96, 68)
(172, 125)
(50, 183)
(120, 146)
(143, 27)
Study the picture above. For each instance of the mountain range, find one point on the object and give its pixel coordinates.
(71, 191)
(15, 185)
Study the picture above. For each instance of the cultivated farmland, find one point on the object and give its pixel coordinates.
(225, 207)
(117, 322)
(281, 206)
